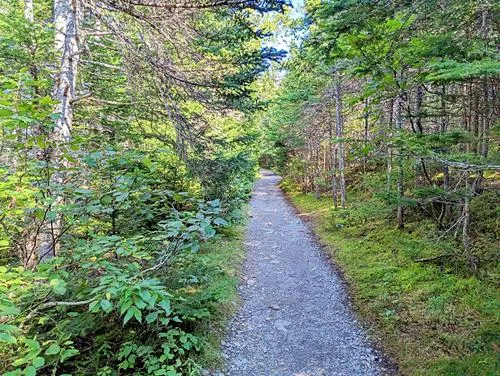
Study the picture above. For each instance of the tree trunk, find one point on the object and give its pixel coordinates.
(488, 117)
(476, 109)
(333, 151)
(419, 100)
(399, 127)
(389, 149)
(445, 211)
(365, 137)
(27, 251)
(28, 10)
(466, 241)
(340, 144)
(67, 16)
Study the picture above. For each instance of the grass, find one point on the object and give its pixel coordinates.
(432, 319)
(208, 282)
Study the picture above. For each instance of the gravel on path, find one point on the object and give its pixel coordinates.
(295, 318)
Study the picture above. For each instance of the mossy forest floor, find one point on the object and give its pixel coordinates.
(431, 318)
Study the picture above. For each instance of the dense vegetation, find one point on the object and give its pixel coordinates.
(127, 150)
(131, 132)
(385, 126)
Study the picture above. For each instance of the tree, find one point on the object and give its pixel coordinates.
(424, 73)
(127, 143)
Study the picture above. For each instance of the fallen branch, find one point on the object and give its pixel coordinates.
(434, 258)
(54, 304)
(465, 166)
(451, 228)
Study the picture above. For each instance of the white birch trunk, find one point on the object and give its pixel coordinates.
(67, 16)
(28, 10)
(27, 253)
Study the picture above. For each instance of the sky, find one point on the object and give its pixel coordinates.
(283, 41)
(297, 8)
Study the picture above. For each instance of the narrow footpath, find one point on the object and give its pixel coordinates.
(295, 318)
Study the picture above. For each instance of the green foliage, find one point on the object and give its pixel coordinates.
(108, 284)
(113, 274)
(139, 205)
(457, 71)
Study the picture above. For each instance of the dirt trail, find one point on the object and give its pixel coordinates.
(295, 318)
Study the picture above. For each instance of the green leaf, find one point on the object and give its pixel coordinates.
(93, 305)
(9, 328)
(214, 203)
(5, 112)
(152, 317)
(53, 349)
(6, 310)
(106, 305)
(32, 344)
(12, 373)
(125, 306)
(46, 100)
(129, 315)
(68, 353)
(38, 362)
(6, 337)
(19, 361)
(220, 222)
(139, 303)
(30, 371)
(58, 286)
(138, 315)
(165, 304)
(145, 295)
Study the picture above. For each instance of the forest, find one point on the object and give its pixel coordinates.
(131, 135)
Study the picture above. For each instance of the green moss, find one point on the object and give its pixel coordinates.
(434, 319)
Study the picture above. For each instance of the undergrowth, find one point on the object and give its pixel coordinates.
(141, 285)
(208, 284)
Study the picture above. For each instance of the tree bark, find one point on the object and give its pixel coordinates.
(67, 17)
(389, 149)
(332, 151)
(28, 10)
(445, 211)
(339, 117)
(27, 251)
(365, 135)
(400, 185)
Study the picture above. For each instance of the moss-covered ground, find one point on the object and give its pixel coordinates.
(433, 318)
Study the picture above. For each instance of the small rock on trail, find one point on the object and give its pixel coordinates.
(295, 318)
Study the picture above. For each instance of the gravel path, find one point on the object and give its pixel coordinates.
(295, 318)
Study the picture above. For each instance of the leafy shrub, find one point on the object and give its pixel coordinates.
(106, 303)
